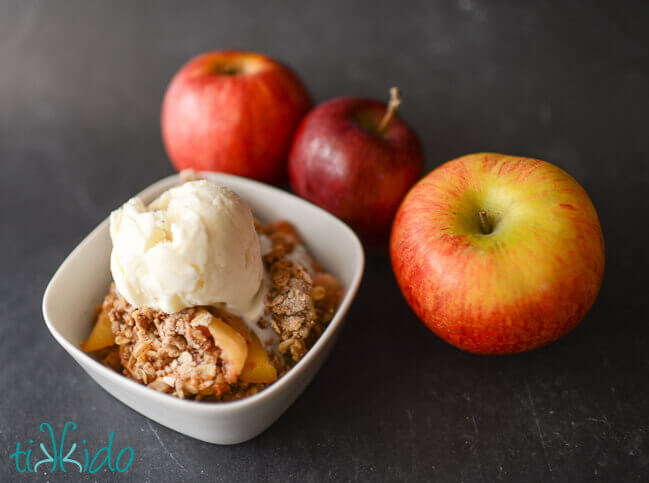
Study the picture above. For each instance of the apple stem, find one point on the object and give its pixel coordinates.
(393, 105)
(229, 69)
(485, 226)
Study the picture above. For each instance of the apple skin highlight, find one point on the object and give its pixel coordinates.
(525, 284)
(234, 112)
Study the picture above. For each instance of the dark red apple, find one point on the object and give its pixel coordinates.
(355, 158)
(234, 112)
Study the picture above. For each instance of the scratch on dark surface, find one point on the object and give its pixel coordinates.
(410, 425)
(413, 434)
(474, 443)
(476, 432)
(602, 420)
(559, 436)
(538, 427)
(155, 433)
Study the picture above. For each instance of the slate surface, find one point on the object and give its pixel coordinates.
(80, 91)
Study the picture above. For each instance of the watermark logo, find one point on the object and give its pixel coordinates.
(53, 455)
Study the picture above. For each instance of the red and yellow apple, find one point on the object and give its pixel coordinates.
(234, 112)
(498, 254)
(356, 159)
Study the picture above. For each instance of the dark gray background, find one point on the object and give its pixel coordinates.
(80, 91)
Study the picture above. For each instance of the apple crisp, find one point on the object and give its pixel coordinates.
(208, 353)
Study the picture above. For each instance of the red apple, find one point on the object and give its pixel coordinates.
(234, 112)
(356, 159)
(498, 254)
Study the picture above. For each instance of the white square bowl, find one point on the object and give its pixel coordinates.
(83, 279)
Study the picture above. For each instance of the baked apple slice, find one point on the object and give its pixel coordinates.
(258, 367)
(101, 335)
(234, 350)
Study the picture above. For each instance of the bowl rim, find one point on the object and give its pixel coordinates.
(190, 404)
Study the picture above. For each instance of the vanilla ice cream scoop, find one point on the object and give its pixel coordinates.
(194, 245)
